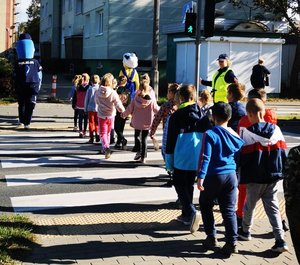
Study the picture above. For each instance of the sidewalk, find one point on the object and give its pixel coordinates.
(144, 234)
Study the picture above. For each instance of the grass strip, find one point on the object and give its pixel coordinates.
(16, 237)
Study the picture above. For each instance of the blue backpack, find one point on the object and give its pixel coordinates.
(130, 86)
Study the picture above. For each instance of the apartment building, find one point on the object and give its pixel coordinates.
(7, 24)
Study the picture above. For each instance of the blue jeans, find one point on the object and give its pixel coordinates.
(83, 118)
(183, 181)
(224, 188)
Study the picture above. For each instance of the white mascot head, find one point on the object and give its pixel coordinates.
(130, 60)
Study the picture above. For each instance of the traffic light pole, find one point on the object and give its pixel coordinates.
(197, 43)
(155, 43)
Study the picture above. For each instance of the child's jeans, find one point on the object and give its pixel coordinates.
(82, 119)
(268, 194)
(75, 118)
(119, 127)
(224, 188)
(104, 131)
(183, 181)
(93, 123)
(140, 140)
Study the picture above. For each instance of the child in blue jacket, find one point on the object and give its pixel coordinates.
(184, 137)
(217, 178)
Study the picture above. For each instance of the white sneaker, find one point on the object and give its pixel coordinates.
(195, 222)
(26, 127)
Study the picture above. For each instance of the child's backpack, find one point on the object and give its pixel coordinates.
(130, 86)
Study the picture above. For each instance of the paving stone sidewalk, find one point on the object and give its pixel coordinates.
(145, 234)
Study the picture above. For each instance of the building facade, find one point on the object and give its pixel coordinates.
(93, 35)
(7, 24)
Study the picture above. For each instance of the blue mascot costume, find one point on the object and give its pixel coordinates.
(28, 78)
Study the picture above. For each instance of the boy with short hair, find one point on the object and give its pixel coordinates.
(184, 137)
(217, 178)
(244, 122)
(261, 164)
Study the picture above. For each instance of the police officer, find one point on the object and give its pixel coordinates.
(221, 79)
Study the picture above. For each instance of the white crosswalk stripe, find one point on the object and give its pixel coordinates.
(82, 175)
(54, 201)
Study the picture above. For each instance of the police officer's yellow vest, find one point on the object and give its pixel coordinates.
(219, 86)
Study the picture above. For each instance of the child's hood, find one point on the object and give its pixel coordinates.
(231, 142)
(266, 133)
(105, 91)
(142, 103)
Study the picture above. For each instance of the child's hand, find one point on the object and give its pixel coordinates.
(200, 184)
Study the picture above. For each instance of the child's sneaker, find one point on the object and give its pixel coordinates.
(75, 129)
(244, 235)
(90, 141)
(195, 222)
(81, 135)
(137, 156)
(107, 153)
(229, 249)
(124, 144)
(211, 242)
(118, 145)
(143, 160)
(280, 246)
(184, 220)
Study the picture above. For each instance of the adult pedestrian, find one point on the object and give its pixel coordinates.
(221, 79)
(28, 73)
(259, 77)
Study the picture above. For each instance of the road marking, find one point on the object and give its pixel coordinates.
(80, 199)
(74, 160)
(82, 175)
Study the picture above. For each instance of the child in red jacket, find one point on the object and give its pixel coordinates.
(270, 116)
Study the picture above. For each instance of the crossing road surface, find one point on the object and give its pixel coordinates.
(58, 170)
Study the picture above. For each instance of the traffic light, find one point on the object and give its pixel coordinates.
(209, 18)
(190, 26)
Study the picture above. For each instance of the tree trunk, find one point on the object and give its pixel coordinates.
(294, 88)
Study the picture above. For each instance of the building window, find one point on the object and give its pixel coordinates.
(78, 6)
(99, 21)
(87, 26)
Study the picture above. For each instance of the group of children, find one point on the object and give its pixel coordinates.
(104, 104)
(201, 139)
(212, 142)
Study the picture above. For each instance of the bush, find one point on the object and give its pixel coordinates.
(6, 81)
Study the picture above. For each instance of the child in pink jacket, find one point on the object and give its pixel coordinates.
(142, 109)
(108, 101)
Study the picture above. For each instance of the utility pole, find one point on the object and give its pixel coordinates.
(155, 42)
(197, 43)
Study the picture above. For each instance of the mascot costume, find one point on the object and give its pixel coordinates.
(28, 78)
(130, 62)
